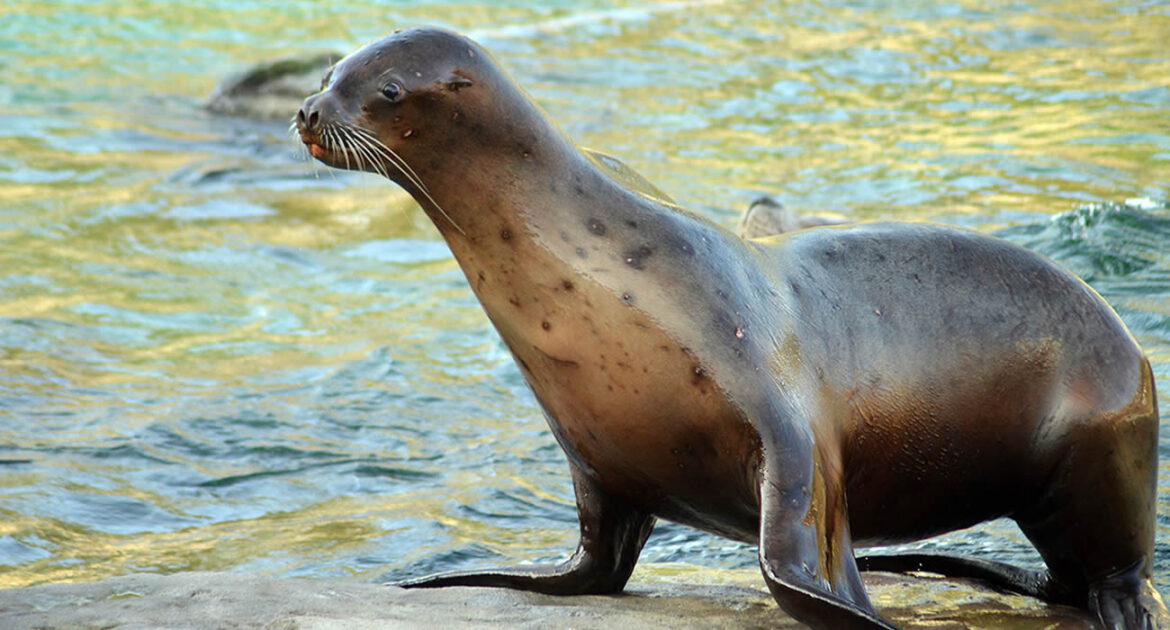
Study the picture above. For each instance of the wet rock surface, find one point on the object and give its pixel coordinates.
(230, 600)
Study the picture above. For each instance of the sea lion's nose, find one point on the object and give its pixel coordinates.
(310, 113)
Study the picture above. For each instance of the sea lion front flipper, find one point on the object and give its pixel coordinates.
(805, 551)
(612, 535)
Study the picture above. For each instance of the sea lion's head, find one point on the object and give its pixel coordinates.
(416, 100)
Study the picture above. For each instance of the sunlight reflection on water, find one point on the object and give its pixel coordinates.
(216, 356)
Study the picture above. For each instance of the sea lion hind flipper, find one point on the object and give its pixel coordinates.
(1128, 599)
(996, 575)
(805, 551)
(612, 536)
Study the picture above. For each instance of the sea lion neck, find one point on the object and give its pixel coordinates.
(525, 181)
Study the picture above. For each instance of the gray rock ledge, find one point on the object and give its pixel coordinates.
(737, 600)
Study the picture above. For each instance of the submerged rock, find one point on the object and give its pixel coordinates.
(272, 90)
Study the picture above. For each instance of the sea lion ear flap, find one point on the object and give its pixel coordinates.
(457, 82)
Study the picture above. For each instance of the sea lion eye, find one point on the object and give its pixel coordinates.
(392, 91)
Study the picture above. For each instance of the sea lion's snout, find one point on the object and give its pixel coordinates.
(307, 121)
(319, 106)
(311, 120)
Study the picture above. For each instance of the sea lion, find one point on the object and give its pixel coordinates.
(768, 217)
(809, 393)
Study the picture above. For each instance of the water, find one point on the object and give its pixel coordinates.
(214, 356)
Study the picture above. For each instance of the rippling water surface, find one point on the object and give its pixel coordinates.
(213, 356)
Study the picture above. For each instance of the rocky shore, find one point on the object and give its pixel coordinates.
(735, 600)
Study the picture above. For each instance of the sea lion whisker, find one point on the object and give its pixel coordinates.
(380, 149)
(348, 147)
(360, 152)
(403, 166)
(333, 142)
(407, 170)
(362, 142)
(362, 155)
(400, 163)
(397, 161)
(302, 150)
(327, 142)
(443, 212)
(351, 146)
(362, 146)
(342, 146)
(377, 144)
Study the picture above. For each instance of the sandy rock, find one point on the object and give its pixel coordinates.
(229, 600)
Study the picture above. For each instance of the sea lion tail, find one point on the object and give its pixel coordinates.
(997, 575)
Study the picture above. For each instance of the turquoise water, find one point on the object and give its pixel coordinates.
(215, 356)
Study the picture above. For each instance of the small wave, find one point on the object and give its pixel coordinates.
(402, 474)
(1120, 250)
(463, 557)
(1103, 240)
(519, 506)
